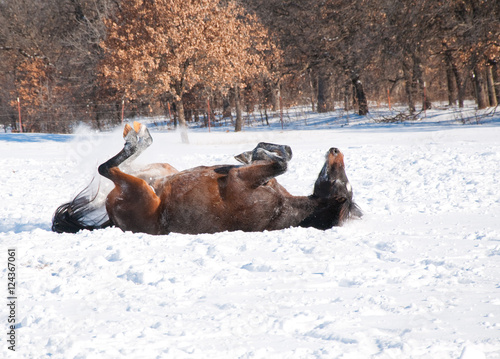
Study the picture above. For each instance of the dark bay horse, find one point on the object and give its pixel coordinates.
(159, 199)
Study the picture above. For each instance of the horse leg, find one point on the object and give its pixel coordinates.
(137, 139)
(132, 205)
(266, 162)
(282, 151)
(254, 155)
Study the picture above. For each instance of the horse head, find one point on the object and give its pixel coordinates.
(332, 181)
(333, 192)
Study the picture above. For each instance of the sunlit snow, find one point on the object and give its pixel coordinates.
(417, 277)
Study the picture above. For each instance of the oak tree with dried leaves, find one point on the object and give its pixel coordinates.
(165, 48)
(72, 61)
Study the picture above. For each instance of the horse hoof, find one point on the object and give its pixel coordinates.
(143, 135)
(245, 157)
(139, 133)
(137, 126)
(130, 133)
(126, 130)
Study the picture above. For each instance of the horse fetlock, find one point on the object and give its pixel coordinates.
(136, 138)
(130, 136)
(144, 137)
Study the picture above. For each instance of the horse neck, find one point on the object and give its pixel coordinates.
(322, 213)
(300, 208)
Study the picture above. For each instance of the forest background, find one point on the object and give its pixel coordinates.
(64, 62)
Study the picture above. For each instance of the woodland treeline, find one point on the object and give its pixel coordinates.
(63, 62)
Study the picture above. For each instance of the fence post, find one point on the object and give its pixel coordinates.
(389, 98)
(425, 100)
(19, 110)
(208, 106)
(281, 111)
(169, 113)
(123, 108)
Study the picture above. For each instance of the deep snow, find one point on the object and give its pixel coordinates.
(417, 277)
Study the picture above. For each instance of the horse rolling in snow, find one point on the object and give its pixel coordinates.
(159, 199)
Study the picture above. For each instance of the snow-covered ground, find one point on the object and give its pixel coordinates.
(417, 277)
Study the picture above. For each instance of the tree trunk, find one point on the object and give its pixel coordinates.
(324, 103)
(226, 108)
(426, 103)
(460, 85)
(275, 97)
(312, 88)
(481, 93)
(496, 80)
(360, 95)
(97, 118)
(408, 88)
(452, 98)
(347, 87)
(491, 86)
(179, 106)
(237, 104)
(419, 83)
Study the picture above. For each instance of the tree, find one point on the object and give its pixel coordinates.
(73, 61)
(167, 47)
(295, 27)
(470, 32)
(48, 55)
(32, 59)
(408, 38)
(325, 42)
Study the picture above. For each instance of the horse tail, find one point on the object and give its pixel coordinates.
(85, 211)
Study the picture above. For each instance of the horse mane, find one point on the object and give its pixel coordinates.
(83, 212)
(332, 212)
(351, 212)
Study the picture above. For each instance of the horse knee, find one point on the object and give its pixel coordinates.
(103, 170)
(112, 172)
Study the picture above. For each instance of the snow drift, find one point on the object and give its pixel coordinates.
(417, 277)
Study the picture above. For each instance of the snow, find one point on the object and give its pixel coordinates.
(417, 277)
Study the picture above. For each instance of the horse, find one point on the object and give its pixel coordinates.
(159, 199)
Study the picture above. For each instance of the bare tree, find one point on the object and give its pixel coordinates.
(50, 53)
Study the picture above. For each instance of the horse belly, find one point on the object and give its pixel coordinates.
(192, 218)
(202, 211)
